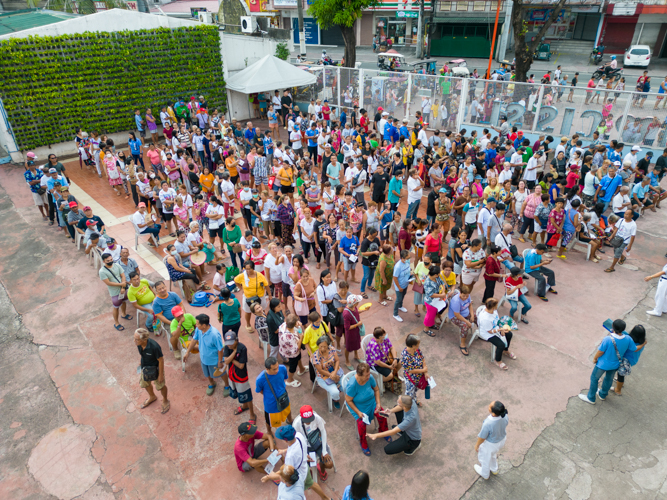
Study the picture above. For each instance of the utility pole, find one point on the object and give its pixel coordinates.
(504, 37)
(420, 31)
(302, 29)
(431, 30)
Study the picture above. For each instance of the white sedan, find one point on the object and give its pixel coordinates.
(637, 55)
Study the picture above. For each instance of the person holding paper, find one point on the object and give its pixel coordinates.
(409, 425)
(491, 332)
(434, 298)
(291, 483)
(252, 448)
(311, 425)
(349, 250)
(362, 398)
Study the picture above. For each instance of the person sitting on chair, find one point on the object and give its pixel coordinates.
(311, 425)
(381, 356)
(409, 425)
(327, 365)
(534, 266)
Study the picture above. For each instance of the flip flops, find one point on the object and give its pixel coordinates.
(240, 410)
(165, 408)
(127, 317)
(120, 328)
(148, 402)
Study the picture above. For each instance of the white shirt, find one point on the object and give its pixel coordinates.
(295, 137)
(618, 201)
(505, 175)
(486, 322)
(227, 191)
(138, 218)
(325, 293)
(504, 242)
(626, 230)
(412, 194)
(483, 218)
(559, 148)
(275, 100)
(362, 181)
(321, 141)
(516, 159)
(297, 453)
(381, 125)
(631, 158)
(275, 272)
(448, 145)
(307, 228)
(214, 223)
(168, 195)
(193, 239)
(531, 170)
(422, 136)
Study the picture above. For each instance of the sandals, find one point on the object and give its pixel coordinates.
(464, 351)
(383, 303)
(295, 383)
(148, 402)
(511, 355)
(165, 408)
(364, 295)
(429, 333)
(240, 410)
(366, 451)
(127, 317)
(502, 365)
(418, 315)
(621, 261)
(609, 270)
(120, 328)
(389, 298)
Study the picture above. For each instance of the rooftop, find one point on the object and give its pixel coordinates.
(13, 22)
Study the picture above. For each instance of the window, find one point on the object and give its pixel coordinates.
(462, 6)
(479, 6)
(639, 52)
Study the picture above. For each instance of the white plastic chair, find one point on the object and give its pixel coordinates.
(475, 333)
(504, 299)
(136, 238)
(95, 258)
(588, 246)
(330, 399)
(344, 381)
(378, 377)
(78, 239)
(525, 253)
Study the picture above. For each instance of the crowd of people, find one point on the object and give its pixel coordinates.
(284, 219)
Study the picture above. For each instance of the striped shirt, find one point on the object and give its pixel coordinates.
(260, 169)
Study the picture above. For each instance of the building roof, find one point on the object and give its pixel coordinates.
(13, 22)
(183, 6)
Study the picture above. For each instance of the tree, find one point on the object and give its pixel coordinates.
(282, 52)
(523, 49)
(341, 13)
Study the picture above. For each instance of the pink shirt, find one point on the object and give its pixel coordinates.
(154, 157)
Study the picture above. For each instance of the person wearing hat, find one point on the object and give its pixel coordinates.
(152, 360)
(310, 425)
(33, 177)
(609, 186)
(95, 242)
(183, 324)
(352, 323)
(144, 224)
(72, 218)
(50, 183)
(296, 455)
(632, 157)
(98, 224)
(252, 448)
(209, 342)
(504, 128)
(237, 384)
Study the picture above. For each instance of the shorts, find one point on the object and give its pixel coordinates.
(264, 300)
(261, 179)
(618, 252)
(234, 179)
(293, 363)
(240, 391)
(538, 227)
(287, 290)
(457, 269)
(309, 480)
(259, 451)
(382, 370)
(38, 199)
(209, 370)
(142, 133)
(167, 216)
(347, 265)
(143, 384)
(213, 233)
(116, 301)
(286, 189)
(470, 278)
(277, 419)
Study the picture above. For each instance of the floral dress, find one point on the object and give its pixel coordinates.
(201, 218)
(378, 352)
(112, 170)
(288, 342)
(181, 213)
(558, 217)
(331, 232)
(412, 362)
(388, 273)
(286, 218)
(356, 219)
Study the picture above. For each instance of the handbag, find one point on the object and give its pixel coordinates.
(418, 288)
(624, 367)
(151, 373)
(362, 327)
(282, 401)
(553, 241)
(237, 248)
(301, 308)
(41, 191)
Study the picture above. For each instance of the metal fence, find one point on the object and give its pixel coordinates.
(454, 103)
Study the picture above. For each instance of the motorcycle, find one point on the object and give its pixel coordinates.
(607, 72)
(596, 54)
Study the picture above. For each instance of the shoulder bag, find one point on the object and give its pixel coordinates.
(333, 315)
(512, 248)
(301, 308)
(282, 401)
(624, 367)
(617, 240)
(150, 373)
(362, 328)
(123, 290)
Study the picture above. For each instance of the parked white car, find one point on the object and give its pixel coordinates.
(637, 55)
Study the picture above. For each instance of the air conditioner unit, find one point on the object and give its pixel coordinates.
(248, 24)
(205, 17)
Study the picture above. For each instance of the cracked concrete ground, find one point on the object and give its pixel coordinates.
(68, 374)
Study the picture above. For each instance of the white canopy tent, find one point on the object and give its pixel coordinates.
(267, 74)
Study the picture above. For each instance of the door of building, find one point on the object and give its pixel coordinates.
(586, 27)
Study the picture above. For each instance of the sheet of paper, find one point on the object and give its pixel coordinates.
(431, 383)
(313, 457)
(364, 419)
(273, 458)
(439, 304)
(352, 258)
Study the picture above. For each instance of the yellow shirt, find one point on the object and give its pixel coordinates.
(311, 335)
(434, 110)
(286, 174)
(495, 192)
(256, 284)
(450, 280)
(406, 152)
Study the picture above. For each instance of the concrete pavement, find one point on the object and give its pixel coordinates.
(72, 382)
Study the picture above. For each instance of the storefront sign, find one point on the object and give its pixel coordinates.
(381, 24)
(311, 29)
(624, 9)
(284, 3)
(132, 5)
(406, 13)
(541, 15)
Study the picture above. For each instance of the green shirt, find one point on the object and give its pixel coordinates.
(231, 237)
(188, 325)
(299, 183)
(114, 275)
(527, 155)
(230, 314)
(142, 294)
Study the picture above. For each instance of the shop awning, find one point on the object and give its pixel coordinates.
(269, 73)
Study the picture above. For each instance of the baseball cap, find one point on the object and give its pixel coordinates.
(54, 171)
(87, 208)
(285, 432)
(649, 153)
(32, 155)
(72, 204)
(385, 113)
(380, 108)
(64, 188)
(141, 204)
(230, 337)
(246, 428)
(520, 132)
(617, 163)
(176, 311)
(307, 414)
(443, 190)
(491, 200)
(634, 148)
(90, 222)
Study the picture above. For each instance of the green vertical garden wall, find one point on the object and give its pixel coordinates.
(52, 85)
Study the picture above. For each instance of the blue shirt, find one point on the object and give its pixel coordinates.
(277, 382)
(554, 192)
(210, 343)
(613, 156)
(568, 220)
(456, 305)
(654, 179)
(349, 245)
(532, 259)
(395, 184)
(312, 138)
(137, 120)
(609, 360)
(404, 132)
(51, 182)
(633, 356)
(347, 494)
(387, 218)
(164, 306)
(268, 145)
(490, 155)
(494, 429)
(135, 146)
(29, 177)
(640, 190)
(388, 132)
(343, 119)
(250, 135)
(609, 185)
(402, 274)
(363, 396)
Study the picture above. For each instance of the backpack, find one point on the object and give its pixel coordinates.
(202, 299)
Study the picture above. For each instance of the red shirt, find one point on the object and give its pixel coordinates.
(492, 267)
(511, 282)
(364, 123)
(432, 244)
(547, 77)
(572, 179)
(405, 237)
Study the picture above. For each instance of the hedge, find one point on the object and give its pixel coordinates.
(52, 85)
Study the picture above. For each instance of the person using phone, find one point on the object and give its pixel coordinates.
(409, 425)
(534, 265)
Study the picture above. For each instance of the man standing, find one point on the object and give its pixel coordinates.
(530, 175)
(139, 121)
(415, 191)
(271, 385)
(625, 228)
(113, 277)
(151, 369)
(401, 278)
(394, 191)
(33, 177)
(380, 181)
(409, 425)
(209, 341)
(286, 103)
(235, 356)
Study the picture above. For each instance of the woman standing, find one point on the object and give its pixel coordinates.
(152, 126)
(329, 234)
(326, 291)
(290, 337)
(231, 236)
(414, 368)
(181, 214)
(492, 272)
(528, 214)
(339, 302)
(434, 288)
(352, 323)
(384, 273)
(304, 296)
(206, 180)
(500, 337)
(286, 217)
(229, 311)
(491, 440)
(136, 149)
(555, 225)
(112, 172)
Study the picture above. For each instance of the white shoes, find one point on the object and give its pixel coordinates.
(296, 383)
(478, 470)
(398, 318)
(403, 309)
(654, 313)
(584, 397)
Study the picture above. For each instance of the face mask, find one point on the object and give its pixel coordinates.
(246, 189)
(174, 253)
